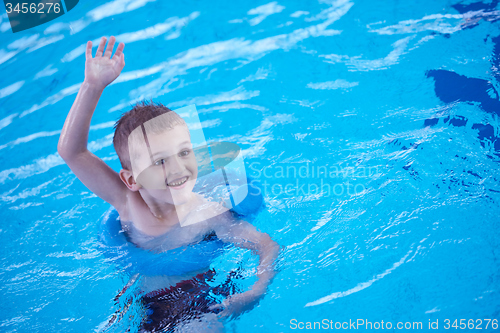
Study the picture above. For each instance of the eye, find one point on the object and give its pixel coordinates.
(160, 161)
(184, 153)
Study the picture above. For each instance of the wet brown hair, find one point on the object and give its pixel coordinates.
(142, 112)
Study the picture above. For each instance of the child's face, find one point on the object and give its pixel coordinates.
(169, 168)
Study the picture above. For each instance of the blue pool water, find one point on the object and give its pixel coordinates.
(393, 105)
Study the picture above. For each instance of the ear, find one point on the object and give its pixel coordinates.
(128, 179)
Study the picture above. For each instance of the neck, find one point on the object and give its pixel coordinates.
(167, 213)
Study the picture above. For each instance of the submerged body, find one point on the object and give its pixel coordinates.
(173, 281)
(198, 244)
(175, 291)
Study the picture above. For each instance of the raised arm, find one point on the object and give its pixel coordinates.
(96, 175)
(245, 235)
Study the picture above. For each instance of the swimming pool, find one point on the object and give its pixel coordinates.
(373, 126)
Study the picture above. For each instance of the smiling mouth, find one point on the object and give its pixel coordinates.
(178, 182)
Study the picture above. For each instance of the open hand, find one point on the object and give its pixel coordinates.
(104, 69)
(237, 304)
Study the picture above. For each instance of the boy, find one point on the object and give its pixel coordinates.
(150, 209)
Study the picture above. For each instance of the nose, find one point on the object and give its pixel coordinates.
(175, 166)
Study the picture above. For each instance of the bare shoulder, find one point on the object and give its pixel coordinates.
(207, 211)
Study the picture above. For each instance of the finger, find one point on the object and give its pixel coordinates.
(215, 306)
(109, 49)
(88, 51)
(119, 64)
(223, 314)
(217, 309)
(119, 51)
(100, 49)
